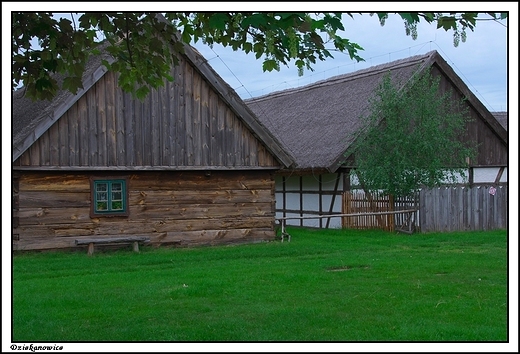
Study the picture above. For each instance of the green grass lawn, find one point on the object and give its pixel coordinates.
(324, 285)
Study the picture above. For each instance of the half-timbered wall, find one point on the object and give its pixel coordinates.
(310, 196)
(184, 124)
(172, 208)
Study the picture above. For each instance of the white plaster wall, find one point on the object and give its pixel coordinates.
(488, 175)
(292, 201)
(291, 183)
(310, 183)
(480, 175)
(311, 202)
(278, 199)
(328, 182)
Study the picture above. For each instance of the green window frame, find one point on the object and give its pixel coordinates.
(109, 197)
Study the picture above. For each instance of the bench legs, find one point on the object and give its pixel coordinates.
(90, 249)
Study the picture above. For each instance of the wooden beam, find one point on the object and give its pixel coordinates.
(358, 214)
(333, 199)
(499, 175)
(143, 168)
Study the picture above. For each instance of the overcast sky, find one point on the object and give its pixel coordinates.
(481, 61)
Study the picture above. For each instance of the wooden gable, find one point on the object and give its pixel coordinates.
(483, 129)
(185, 124)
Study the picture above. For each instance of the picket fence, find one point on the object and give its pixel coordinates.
(356, 202)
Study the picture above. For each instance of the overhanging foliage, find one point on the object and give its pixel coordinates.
(144, 44)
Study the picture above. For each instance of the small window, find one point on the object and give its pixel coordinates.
(109, 197)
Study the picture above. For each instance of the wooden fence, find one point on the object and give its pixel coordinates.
(438, 209)
(356, 201)
(463, 208)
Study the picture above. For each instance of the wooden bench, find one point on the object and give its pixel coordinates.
(110, 240)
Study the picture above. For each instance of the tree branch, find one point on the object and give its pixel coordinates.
(127, 40)
(73, 21)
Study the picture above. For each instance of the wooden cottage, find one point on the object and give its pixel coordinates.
(318, 122)
(189, 165)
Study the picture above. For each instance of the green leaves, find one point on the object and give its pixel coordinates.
(258, 20)
(270, 65)
(411, 137)
(218, 21)
(145, 48)
(447, 22)
(72, 84)
(410, 17)
(334, 22)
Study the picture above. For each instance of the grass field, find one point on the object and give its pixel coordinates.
(332, 285)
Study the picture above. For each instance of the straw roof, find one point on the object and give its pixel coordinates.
(502, 118)
(318, 122)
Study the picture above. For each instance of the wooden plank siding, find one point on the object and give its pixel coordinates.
(491, 150)
(447, 209)
(172, 208)
(184, 124)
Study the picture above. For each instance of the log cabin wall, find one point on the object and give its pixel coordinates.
(172, 208)
(197, 169)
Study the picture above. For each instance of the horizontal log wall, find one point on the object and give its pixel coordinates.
(175, 208)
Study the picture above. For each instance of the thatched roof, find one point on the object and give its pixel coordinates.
(502, 118)
(318, 122)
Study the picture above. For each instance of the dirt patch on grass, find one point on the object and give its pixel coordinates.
(346, 267)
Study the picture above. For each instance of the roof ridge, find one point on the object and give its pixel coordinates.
(373, 70)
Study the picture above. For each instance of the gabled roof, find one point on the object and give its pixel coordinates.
(318, 122)
(31, 119)
(502, 118)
